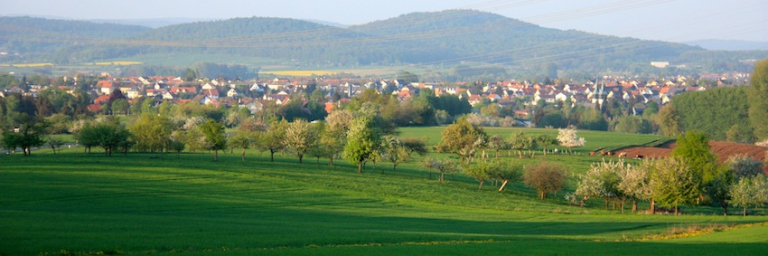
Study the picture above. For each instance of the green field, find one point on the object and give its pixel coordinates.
(77, 204)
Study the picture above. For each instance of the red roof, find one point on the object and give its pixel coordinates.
(329, 107)
(211, 92)
(101, 99)
(94, 108)
(187, 89)
(104, 84)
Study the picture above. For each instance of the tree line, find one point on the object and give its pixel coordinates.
(690, 176)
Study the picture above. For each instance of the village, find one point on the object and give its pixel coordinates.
(255, 94)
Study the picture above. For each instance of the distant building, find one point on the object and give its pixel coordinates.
(660, 64)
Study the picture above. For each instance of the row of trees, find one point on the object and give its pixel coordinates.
(466, 140)
(690, 176)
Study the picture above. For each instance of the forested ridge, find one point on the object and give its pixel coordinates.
(447, 37)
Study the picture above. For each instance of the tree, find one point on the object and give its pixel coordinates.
(151, 132)
(299, 137)
(545, 141)
(10, 141)
(362, 141)
(30, 133)
(446, 166)
(317, 149)
(479, 171)
(241, 140)
(178, 146)
(719, 189)
(413, 145)
(693, 149)
(633, 183)
(569, 138)
(109, 136)
(497, 143)
(520, 142)
(54, 143)
(194, 139)
(758, 99)
(395, 152)
(673, 183)
(461, 138)
(505, 173)
(545, 178)
(668, 121)
(601, 180)
(332, 143)
(430, 163)
(86, 136)
(120, 107)
(748, 192)
(744, 166)
(273, 138)
(215, 138)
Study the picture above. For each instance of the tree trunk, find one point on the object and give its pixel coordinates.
(622, 205)
(215, 155)
(744, 211)
(301, 156)
(503, 184)
(606, 204)
(242, 156)
(497, 154)
(360, 167)
(271, 155)
(652, 209)
(634, 206)
(394, 168)
(330, 161)
(677, 209)
(481, 184)
(442, 175)
(545, 151)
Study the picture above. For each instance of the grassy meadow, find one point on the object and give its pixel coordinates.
(78, 204)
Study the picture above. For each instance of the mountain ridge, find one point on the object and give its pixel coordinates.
(448, 37)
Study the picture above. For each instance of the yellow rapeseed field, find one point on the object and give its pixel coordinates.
(27, 65)
(120, 63)
(299, 72)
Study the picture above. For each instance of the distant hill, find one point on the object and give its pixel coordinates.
(487, 37)
(151, 23)
(448, 38)
(729, 45)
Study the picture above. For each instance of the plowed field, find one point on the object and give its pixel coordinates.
(723, 150)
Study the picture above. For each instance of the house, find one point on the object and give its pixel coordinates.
(211, 93)
(106, 87)
(183, 89)
(101, 99)
(208, 86)
(232, 93)
(254, 107)
(94, 108)
(475, 99)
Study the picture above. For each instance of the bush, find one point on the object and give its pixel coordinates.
(545, 178)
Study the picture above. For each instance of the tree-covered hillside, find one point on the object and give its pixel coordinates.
(454, 37)
(30, 35)
(486, 37)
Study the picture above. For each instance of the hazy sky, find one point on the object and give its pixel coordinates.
(667, 20)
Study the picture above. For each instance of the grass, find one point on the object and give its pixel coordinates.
(76, 204)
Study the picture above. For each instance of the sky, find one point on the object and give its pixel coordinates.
(664, 20)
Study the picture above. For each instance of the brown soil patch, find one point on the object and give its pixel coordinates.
(723, 150)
